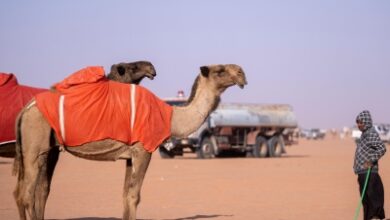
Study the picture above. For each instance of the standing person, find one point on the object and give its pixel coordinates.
(369, 150)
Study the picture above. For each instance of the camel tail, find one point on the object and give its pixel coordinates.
(18, 161)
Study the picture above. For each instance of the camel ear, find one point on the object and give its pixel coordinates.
(121, 70)
(205, 71)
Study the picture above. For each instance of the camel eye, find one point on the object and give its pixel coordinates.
(221, 74)
(134, 69)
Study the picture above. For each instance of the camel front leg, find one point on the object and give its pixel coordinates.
(135, 173)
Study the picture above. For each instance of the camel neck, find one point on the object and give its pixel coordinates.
(186, 119)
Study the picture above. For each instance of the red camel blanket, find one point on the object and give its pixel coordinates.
(13, 97)
(88, 107)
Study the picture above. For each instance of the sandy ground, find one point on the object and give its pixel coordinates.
(314, 180)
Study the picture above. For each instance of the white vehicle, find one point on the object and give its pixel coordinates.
(356, 133)
(382, 129)
(314, 133)
(242, 129)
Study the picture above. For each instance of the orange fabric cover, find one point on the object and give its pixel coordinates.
(13, 97)
(96, 108)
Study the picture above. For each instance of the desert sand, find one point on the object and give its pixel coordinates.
(314, 180)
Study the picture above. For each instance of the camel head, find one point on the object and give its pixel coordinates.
(224, 76)
(132, 72)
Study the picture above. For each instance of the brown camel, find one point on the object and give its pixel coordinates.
(133, 72)
(37, 152)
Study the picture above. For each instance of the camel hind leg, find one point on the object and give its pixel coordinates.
(18, 169)
(35, 146)
(45, 176)
(19, 200)
(135, 173)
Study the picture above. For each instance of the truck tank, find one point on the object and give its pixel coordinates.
(253, 115)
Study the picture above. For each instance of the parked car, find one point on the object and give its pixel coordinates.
(314, 133)
(382, 129)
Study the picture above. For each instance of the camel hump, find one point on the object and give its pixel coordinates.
(87, 75)
(8, 78)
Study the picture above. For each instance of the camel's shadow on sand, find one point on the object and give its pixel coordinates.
(184, 218)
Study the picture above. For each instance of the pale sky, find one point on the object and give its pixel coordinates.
(328, 59)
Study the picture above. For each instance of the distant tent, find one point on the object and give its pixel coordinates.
(13, 97)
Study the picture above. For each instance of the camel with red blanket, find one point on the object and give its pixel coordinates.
(13, 97)
(35, 147)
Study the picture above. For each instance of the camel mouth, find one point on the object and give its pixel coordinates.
(150, 75)
(241, 84)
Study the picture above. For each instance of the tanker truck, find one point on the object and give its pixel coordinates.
(252, 130)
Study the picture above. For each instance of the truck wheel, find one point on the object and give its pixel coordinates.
(276, 145)
(205, 149)
(165, 154)
(260, 148)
